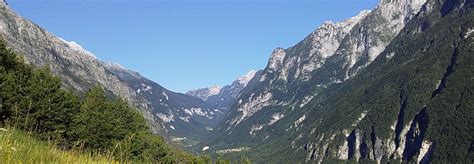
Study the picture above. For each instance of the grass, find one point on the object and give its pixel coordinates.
(20, 147)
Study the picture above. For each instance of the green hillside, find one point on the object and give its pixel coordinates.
(33, 100)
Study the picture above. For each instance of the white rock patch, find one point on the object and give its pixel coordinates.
(276, 60)
(165, 118)
(301, 119)
(255, 128)
(165, 95)
(185, 119)
(275, 118)
(343, 151)
(76, 47)
(188, 112)
(198, 111)
(401, 147)
(178, 139)
(425, 147)
(244, 80)
(362, 116)
(468, 33)
(390, 55)
(233, 150)
(306, 100)
(252, 106)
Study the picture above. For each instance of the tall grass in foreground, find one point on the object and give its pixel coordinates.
(18, 146)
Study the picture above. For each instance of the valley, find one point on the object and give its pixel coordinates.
(391, 84)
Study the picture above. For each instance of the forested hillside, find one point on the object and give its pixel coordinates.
(412, 103)
(32, 100)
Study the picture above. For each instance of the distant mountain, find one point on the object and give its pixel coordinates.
(391, 84)
(178, 114)
(170, 114)
(222, 98)
(204, 93)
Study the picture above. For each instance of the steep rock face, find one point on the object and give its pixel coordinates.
(312, 52)
(330, 55)
(412, 103)
(287, 68)
(41, 48)
(169, 113)
(370, 37)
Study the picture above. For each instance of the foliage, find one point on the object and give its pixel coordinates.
(18, 146)
(33, 100)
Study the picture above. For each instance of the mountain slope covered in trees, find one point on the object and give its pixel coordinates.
(413, 102)
(33, 100)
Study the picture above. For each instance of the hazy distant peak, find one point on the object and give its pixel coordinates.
(77, 47)
(245, 79)
(214, 90)
(205, 93)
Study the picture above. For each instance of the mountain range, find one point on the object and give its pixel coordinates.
(173, 115)
(222, 98)
(390, 84)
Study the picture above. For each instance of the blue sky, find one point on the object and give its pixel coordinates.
(186, 44)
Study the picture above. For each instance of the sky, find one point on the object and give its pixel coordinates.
(186, 44)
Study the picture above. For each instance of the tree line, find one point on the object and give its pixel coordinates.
(33, 100)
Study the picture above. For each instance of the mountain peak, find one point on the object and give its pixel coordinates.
(115, 65)
(120, 70)
(359, 16)
(77, 47)
(205, 93)
(245, 79)
(328, 22)
(277, 58)
(407, 7)
(214, 90)
(223, 97)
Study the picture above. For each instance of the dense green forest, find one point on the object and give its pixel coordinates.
(32, 100)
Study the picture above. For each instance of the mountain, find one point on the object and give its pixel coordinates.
(331, 54)
(391, 84)
(222, 98)
(204, 93)
(170, 114)
(180, 116)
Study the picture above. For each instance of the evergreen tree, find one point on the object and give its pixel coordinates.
(33, 100)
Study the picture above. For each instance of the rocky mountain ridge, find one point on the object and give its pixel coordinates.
(204, 93)
(221, 98)
(391, 84)
(382, 96)
(330, 55)
(170, 114)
